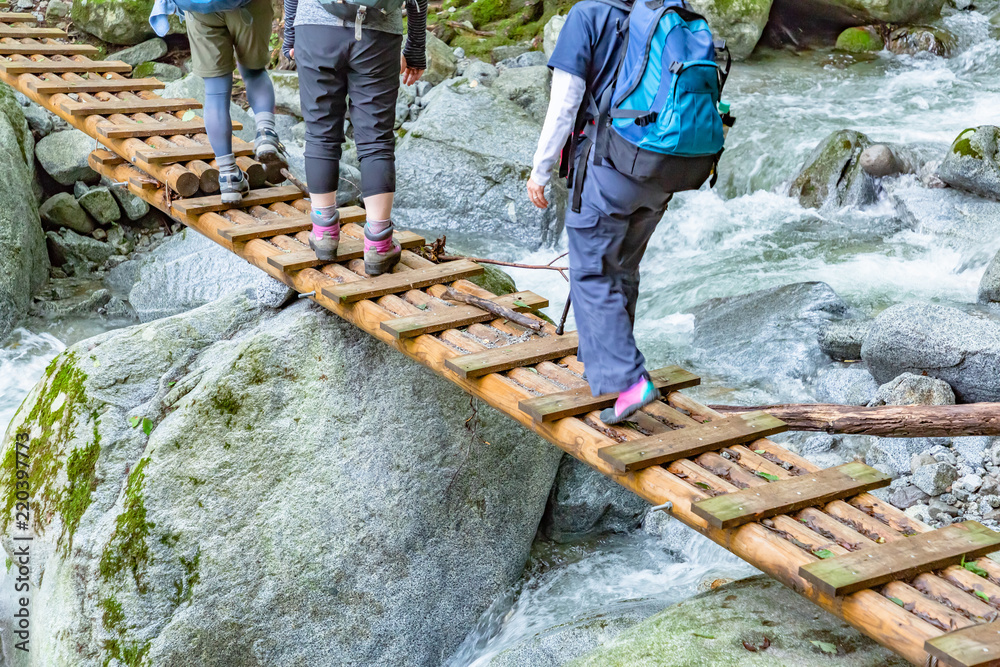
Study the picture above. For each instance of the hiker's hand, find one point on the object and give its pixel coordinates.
(536, 193)
(410, 74)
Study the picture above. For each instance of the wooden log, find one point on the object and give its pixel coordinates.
(94, 86)
(892, 421)
(9, 48)
(501, 359)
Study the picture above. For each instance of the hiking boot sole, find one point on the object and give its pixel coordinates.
(609, 417)
(232, 197)
(383, 266)
(325, 254)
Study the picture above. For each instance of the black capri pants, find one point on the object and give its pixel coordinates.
(333, 66)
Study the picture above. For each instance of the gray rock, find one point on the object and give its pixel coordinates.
(117, 21)
(508, 52)
(731, 614)
(842, 339)
(62, 210)
(974, 449)
(914, 39)
(550, 34)
(971, 483)
(24, 262)
(963, 349)
(40, 121)
(484, 73)
(947, 212)
(100, 204)
(407, 97)
(769, 337)
(989, 285)
(151, 49)
(441, 61)
(63, 156)
(833, 173)
(192, 86)
(907, 496)
(272, 293)
(163, 71)
(910, 389)
(879, 161)
(740, 24)
(919, 512)
(394, 551)
(584, 503)
(938, 510)
(132, 206)
(56, 10)
(853, 385)
(528, 87)
(893, 455)
(76, 252)
(463, 167)
(286, 92)
(935, 479)
(920, 460)
(529, 59)
(971, 163)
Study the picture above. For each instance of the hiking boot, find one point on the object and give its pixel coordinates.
(324, 238)
(232, 186)
(270, 152)
(630, 401)
(381, 252)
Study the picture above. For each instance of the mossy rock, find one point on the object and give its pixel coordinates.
(911, 40)
(833, 173)
(865, 39)
(495, 280)
(971, 163)
(512, 22)
(117, 21)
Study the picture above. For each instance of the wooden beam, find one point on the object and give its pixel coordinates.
(691, 441)
(975, 646)
(502, 359)
(94, 86)
(106, 158)
(349, 249)
(131, 130)
(394, 283)
(459, 316)
(127, 107)
(18, 32)
(8, 48)
(188, 153)
(789, 495)
(18, 17)
(901, 560)
(580, 401)
(60, 66)
(286, 226)
(213, 203)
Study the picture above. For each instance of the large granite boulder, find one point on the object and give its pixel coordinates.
(833, 173)
(812, 21)
(989, 285)
(151, 49)
(202, 480)
(24, 262)
(463, 166)
(961, 348)
(441, 61)
(117, 21)
(769, 337)
(946, 212)
(63, 156)
(971, 164)
(710, 630)
(740, 23)
(528, 87)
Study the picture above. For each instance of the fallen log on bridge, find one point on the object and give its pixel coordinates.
(888, 421)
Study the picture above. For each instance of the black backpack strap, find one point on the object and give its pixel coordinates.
(722, 49)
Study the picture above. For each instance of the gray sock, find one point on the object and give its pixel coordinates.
(227, 164)
(265, 120)
(325, 213)
(378, 226)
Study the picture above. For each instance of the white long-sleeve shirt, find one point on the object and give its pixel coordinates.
(567, 96)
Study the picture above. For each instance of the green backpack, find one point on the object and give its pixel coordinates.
(357, 11)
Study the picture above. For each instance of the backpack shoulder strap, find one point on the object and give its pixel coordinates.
(618, 4)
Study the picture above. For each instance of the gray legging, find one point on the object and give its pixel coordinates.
(332, 65)
(218, 95)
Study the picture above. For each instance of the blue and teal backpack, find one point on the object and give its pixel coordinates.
(660, 118)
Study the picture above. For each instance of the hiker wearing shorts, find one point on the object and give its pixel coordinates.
(617, 214)
(339, 60)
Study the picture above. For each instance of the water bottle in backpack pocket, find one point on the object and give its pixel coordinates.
(357, 11)
(660, 118)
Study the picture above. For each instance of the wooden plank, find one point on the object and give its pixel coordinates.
(580, 401)
(60, 66)
(974, 646)
(131, 106)
(789, 495)
(18, 32)
(691, 441)
(459, 316)
(106, 158)
(47, 49)
(261, 197)
(902, 559)
(287, 226)
(18, 17)
(132, 130)
(188, 153)
(349, 249)
(501, 359)
(394, 283)
(93, 86)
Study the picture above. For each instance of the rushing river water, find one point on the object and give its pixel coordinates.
(745, 235)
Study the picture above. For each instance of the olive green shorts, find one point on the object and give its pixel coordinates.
(214, 37)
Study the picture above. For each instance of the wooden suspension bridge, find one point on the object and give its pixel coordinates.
(929, 595)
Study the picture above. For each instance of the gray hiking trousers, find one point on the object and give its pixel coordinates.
(332, 65)
(607, 240)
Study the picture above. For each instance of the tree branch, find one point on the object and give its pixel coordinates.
(493, 307)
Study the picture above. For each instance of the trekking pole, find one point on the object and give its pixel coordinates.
(562, 322)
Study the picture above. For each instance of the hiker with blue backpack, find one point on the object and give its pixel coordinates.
(348, 54)
(636, 90)
(216, 29)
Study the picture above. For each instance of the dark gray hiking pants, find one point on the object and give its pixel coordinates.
(332, 65)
